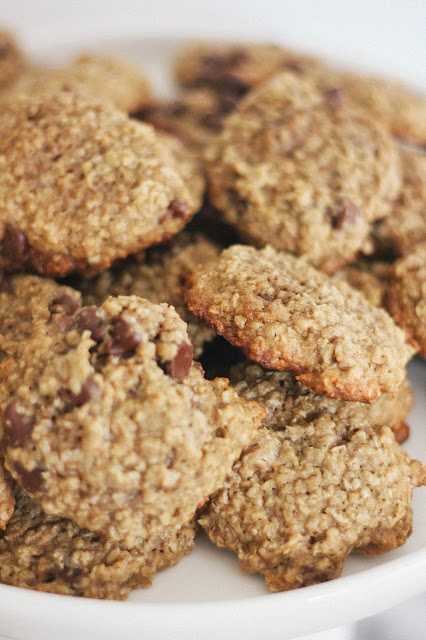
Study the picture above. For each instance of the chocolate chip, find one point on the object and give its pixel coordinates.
(346, 213)
(218, 71)
(89, 389)
(30, 481)
(212, 121)
(89, 319)
(63, 323)
(71, 575)
(123, 339)
(219, 433)
(18, 426)
(64, 304)
(14, 244)
(335, 97)
(181, 363)
(176, 209)
(6, 285)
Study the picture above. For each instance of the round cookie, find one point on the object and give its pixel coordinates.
(52, 554)
(234, 69)
(104, 78)
(399, 108)
(406, 295)
(286, 315)
(159, 279)
(112, 425)
(12, 60)
(368, 276)
(407, 223)
(308, 491)
(86, 185)
(295, 168)
(286, 399)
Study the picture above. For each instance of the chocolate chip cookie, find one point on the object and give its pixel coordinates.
(159, 278)
(85, 185)
(112, 424)
(286, 315)
(406, 295)
(297, 169)
(50, 553)
(312, 486)
(406, 224)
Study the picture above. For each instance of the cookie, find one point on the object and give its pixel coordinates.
(371, 277)
(52, 554)
(295, 168)
(234, 69)
(12, 59)
(86, 185)
(159, 279)
(406, 295)
(286, 399)
(104, 78)
(286, 315)
(309, 491)
(396, 106)
(406, 224)
(112, 425)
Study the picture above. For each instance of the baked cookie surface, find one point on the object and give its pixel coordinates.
(52, 554)
(371, 277)
(85, 185)
(311, 487)
(111, 424)
(297, 169)
(286, 315)
(406, 295)
(159, 278)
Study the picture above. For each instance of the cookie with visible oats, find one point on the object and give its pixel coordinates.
(286, 399)
(112, 424)
(104, 78)
(85, 185)
(318, 481)
(234, 69)
(406, 225)
(286, 315)
(52, 554)
(371, 277)
(294, 168)
(159, 278)
(12, 59)
(406, 295)
(396, 106)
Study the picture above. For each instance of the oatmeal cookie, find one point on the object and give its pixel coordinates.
(159, 279)
(112, 424)
(296, 169)
(406, 295)
(12, 60)
(396, 106)
(85, 185)
(406, 225)
(286, 315)
(312, 488)
(371, 277)
(49, 553)
(286, 399)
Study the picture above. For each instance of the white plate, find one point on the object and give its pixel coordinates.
(206, 595)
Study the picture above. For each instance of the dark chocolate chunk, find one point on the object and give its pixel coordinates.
(71, 575)
(89, 389)
(6, 285)
(63, 323)
(64, 304)
(176, 209)
(18, 426)
(346, 213)
(14, 244)
(181, 363)
(90, 319)
(30, 481)
(123, 339)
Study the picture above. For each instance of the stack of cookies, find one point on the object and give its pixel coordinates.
(193, 323)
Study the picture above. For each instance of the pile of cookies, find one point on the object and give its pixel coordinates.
(207, 305)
